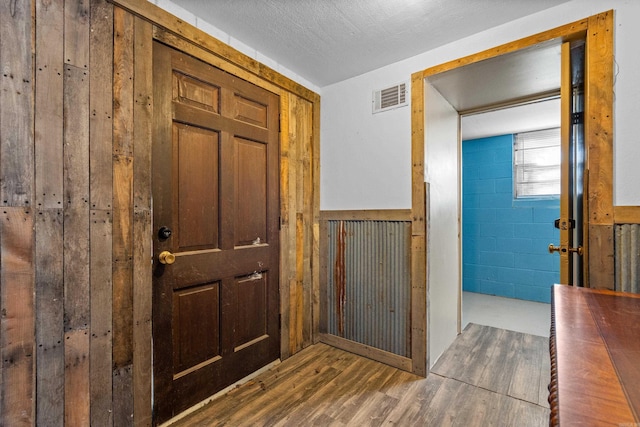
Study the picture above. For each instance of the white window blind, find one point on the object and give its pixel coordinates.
(536, 163)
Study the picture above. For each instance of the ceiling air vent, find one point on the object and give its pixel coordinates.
(390, 98)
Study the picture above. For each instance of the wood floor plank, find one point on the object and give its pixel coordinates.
(525, 383)
(451, 363)
(545, 375)
(501, 367)
(374, 411)
(325, 386)
(413, 406)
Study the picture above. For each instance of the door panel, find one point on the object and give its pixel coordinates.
(194, 346)
(196, 154)
(216, 186)
(251, 192)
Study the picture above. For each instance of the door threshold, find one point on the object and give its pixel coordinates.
(221, 393)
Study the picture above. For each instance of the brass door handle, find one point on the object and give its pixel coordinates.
(553, 248)
(166, 257)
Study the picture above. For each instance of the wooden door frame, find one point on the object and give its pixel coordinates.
(597, 30)
(140, 23)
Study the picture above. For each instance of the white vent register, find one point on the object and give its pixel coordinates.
(390, 98)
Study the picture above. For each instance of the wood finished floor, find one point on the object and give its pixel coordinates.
(488, 377)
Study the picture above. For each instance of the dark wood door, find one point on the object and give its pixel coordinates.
(216, 206)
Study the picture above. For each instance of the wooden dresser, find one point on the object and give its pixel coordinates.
(595, 358)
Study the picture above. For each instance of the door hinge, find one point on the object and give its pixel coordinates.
(577, 118)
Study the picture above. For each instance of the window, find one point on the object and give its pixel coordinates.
(536, 163)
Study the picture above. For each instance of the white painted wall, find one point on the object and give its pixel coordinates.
(365, 158)
(442, 172)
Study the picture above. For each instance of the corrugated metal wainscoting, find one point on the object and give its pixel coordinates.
(627, 257)
(368, 288)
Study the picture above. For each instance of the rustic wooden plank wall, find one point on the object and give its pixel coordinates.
(75, 206)
(297, 221)
(17, 276)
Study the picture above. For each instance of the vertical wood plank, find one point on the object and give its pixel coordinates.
(123, 64)
(599, 137)
(601, 246)
(48, 104)
(76, 394)
(142, 366)
(122, 261)
(49, 189)
(297, 303)
(76, 245)
(123, 94)
(101, 296)
(101, 104)
(599, 121)
(419, 353)
(16, 98)
(305, 133)
(142, 232)
(293, 226)
(302, 294)
(49, 317)
(17, 329)
(101, 220)
(285, 239)
(315, 250)
(76, 33)
(123, 398)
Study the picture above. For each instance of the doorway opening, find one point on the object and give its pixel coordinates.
(510, 198)
(462, 94)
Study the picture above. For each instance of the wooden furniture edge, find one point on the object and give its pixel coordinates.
(561, 299)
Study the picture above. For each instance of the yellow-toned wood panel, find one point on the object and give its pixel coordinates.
(601, 268)
(315, 207)
(598, 128)
(367, 215)
(566, 32)
(298, 289)
(287, 264)
(419, 211)
(599, 117)
(626, 214)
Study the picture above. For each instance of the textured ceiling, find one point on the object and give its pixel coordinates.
(327, 41)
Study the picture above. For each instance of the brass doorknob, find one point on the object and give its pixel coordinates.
(553, 248)
(166, 257)
(577, 250)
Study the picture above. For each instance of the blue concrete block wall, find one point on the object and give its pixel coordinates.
(504, 241)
